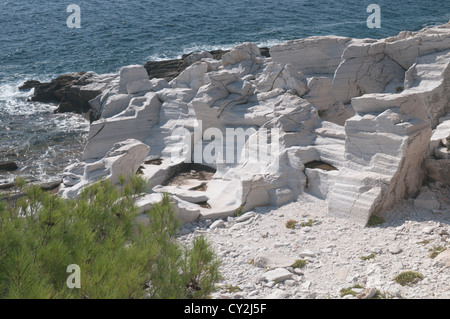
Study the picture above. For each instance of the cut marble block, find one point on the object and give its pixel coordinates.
(383, 158)
(313, 55)
(427, 88)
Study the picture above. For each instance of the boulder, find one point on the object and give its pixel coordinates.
(441, 136)
(192, 77)
(444, 258)
(55, 90)
(273, 259)
(320, 181)
(427, 200)
(132, 76)
(278, 294)
(30, 84)
(278, 76)
(239, 53)
(167, 70)
(277, 275)
(115, 104)
(51, 185)
(195, 57)
(138, 86)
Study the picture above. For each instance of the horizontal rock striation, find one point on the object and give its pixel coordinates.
(383, 158)
(356, 122)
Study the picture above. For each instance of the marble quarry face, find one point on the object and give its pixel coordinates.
(356, 122)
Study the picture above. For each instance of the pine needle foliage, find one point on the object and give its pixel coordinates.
(42, 234)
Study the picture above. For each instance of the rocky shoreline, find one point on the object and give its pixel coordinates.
(73, 91)
(332, 99)
(359, 130)
(374, 111)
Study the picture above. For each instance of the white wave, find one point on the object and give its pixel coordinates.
(14, 101)
(10, 90)
(43, 143)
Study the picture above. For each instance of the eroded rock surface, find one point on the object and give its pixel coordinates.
(356, 122)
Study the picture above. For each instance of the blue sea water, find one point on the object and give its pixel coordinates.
(36, 43)
(36, 40)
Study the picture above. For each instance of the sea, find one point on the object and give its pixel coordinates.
(38, 41)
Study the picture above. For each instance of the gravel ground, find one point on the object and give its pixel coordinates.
(258, 251)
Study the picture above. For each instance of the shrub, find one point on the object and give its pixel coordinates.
(291, 223)
(309, 223)
(424, 242)
(232, 289)
(238, 211)
(349, 290)
(371, 256)
(41, 235)
(375, 220)
(299, 263)
(382, 295)
(408, 278)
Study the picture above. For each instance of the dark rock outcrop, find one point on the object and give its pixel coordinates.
(8, 166)
(71, 91)
(54, 91)
(170, 69)
(167, 70)
(28, 85)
